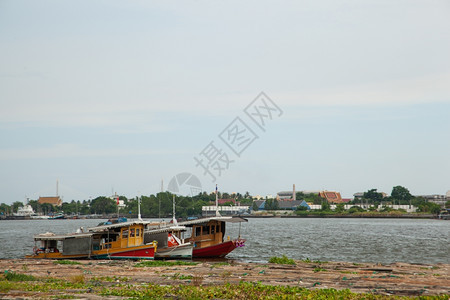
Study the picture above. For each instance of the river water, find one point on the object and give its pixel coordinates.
(351, 240)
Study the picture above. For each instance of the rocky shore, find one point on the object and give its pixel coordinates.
(394, 279)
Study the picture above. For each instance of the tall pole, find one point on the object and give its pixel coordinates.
(139, 208)
(217, 203)
(174, 219)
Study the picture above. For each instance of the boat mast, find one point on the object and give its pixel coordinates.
(217, 203)
(139, 208)
(174, 220)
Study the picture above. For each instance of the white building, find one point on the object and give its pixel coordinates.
(224, 210)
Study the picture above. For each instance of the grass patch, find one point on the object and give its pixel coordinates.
(181, 276)
(281, 260)
(13, 276)
(163, 263)
(243, 290)
(66, 262)
(319, 270)
(111, 279)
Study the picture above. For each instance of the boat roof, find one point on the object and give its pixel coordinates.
(60, 237)
(206, 220)
(165, 229)
(117, 225)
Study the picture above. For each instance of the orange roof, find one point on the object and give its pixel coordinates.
(332, 197)
(55, 201)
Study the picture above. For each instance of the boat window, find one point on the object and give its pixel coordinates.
(198, 231)
(125, 234)
(137, 232)
(132, 232)
(205, 229)
(213, 229)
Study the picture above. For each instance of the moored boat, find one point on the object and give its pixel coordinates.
(169, 245)
(208, 236)
(113, 241)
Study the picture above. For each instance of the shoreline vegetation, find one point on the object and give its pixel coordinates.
(369, 204)
(221, 279)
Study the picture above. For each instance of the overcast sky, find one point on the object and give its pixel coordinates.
(114, 96)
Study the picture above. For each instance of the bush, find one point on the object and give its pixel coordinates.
(12, 276)
(281, 260)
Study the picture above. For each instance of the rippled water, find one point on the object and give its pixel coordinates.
(354, 240)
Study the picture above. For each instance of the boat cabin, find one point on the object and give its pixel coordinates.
(117, 236)
(205, 235)
(49, 245)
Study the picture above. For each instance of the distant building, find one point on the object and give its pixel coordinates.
(260, 204)
(285, 195)
(358, 196)
(224, 210)
(289, 204)
(331, 197)
(223, 201)
(437, 199)
(55, 201)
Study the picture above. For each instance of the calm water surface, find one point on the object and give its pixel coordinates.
(353, 240)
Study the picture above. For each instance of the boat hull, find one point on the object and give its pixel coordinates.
(218, 250)
(139, 252)
(183, 251)
(56, 256)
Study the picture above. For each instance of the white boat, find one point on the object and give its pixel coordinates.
(24, 211)
(169, 246)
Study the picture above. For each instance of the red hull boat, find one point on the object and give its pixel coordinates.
(208, 236)
(219, 250)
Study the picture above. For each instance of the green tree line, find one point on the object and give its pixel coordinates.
(152, 206)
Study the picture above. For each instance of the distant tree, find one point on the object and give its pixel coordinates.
(373, 196)
(447, 204)
(326, 206)
(5, 209)
(246, 202)
(430, 207)
(103, 205)
(255, 206)
(247, 195)
(340, 208)
(16, 206)
(299, 196)
(401, 193)
(302, 208)
(312, 197)
(271, 204)
(355, 209)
